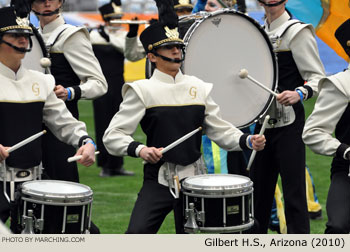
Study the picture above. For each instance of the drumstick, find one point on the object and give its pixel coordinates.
(178, 141)
(262, 130)
(76, 158)
(25, 141)
(244, 74)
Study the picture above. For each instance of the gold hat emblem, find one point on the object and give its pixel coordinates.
(184, 1)
(171, 33)
(117, 9)
(22, 21)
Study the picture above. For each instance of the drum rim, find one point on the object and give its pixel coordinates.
(227, 229)
(49, 196)
(206, 15)
(244, 188)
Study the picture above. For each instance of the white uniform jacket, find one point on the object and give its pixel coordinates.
(300, 40)
(163, 90)
(74, 43)
(333, 99)
(29, 86)
(186, 97)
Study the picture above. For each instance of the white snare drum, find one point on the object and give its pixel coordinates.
(218, 45)
(31, 59)
(58, 206)
(218, 203)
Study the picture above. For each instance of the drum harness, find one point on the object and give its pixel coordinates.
(172, 174)
(17, 175)
(280, 115)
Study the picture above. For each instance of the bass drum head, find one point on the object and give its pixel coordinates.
(217, 48)
(31, 59)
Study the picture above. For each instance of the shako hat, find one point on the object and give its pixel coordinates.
(11, 23)
(183, 4)
(163, 32)
(112, 10)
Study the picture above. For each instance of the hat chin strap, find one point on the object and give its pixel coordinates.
(271, 5)
(168, 59)
(19, 49)
(47, 14)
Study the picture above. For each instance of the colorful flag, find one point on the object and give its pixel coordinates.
(326, 16)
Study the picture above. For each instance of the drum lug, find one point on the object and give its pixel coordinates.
(191, 224)
(28, 223)
(39, 224)
(201, 216)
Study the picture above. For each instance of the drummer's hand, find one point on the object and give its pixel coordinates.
(3, 153)
(88, 154)
(61, 92)
(133, 28)
(288, 97)
(151, 154)
(258, 142)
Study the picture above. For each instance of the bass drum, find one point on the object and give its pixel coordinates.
(32, 58)
(218, 45)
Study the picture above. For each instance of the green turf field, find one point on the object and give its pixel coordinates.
(114, 197)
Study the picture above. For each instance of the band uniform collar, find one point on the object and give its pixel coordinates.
(166, 78)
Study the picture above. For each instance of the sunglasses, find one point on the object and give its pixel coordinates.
(18, 35)
(43, 1)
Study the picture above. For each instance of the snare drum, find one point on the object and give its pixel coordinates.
(31, 59)
(218, 203)
(217, 46)
(58, 206)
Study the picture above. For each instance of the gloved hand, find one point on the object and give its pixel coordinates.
(152, 21)
(133, 28)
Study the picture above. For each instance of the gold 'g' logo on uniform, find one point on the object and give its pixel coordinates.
(36, 89)
(193, 92)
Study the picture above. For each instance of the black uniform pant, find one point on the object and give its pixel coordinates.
(153, 204)
(241, 6)
(55, 154)
(338, 204)
(105, 108)
(4, 204)
(284, 154)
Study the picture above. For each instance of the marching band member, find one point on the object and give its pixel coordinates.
(27, 100)
(111, 45)
(332, 114)
(77, 73)
(183, 7)
(298, 61)
(168, 105)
